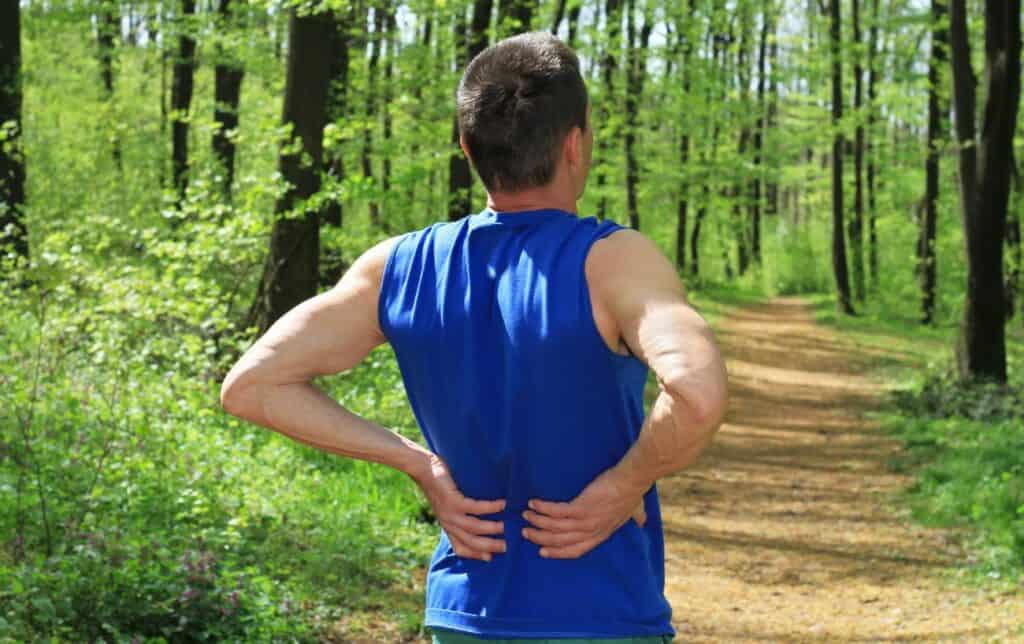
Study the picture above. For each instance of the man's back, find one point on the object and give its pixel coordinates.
(516, 390)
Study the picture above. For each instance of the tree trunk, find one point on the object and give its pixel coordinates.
(685, 33)
(559, 15)
(574, 19)
(181, 99)
(838, 240)
(636, 73)
(515, 17)
(937, 109)
(742, 229)
(856, 227)
(108, 26)
(337, 109)
(608, 65)
(389, 72)
(869, 149)
(228, 75)
(376, 42)
(12, 160)
(767, 20)
(985, 166)
(290, 273)
(459, 178)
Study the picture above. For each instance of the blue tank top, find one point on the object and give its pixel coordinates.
(514, 387)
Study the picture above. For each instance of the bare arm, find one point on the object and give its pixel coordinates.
(637, 291)
(271, 385)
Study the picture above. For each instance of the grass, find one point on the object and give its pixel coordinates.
(963, 444)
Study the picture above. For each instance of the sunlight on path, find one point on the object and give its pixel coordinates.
(783, 532)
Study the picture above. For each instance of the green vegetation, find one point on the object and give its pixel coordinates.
(964, 443)
(133, 507)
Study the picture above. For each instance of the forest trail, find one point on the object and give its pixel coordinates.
(783, 531)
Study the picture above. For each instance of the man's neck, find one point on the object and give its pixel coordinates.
(533, 199)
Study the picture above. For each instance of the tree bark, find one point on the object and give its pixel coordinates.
(685, 34)
(869, 148)
(13, 231)
(608, 66)
(515, 17)
(389, 72)
(291, 271)
(985, 165)
(937, 109)
(856, 226)
(574, 19)
(459, 178)
(228, 74)
(181, 99)
(838, 241)
(337, 109)
(108, 25)
(376, 42)
(636, 73)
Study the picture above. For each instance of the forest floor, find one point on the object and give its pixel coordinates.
(786, 530)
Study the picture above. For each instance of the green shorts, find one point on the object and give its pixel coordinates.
(447, 636)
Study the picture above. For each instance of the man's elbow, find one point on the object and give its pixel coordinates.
(704, 401)
(236, 396)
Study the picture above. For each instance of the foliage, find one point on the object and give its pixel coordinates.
(966, 443)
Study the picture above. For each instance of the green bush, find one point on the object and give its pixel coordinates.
(967, 445)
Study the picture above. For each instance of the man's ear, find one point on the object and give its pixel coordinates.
(572, 148)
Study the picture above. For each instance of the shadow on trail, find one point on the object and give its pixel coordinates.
(783, 530)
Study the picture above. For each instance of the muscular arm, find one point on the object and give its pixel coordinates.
(639, 298)
(271, 385)
(644, 298)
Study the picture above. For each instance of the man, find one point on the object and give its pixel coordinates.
(524, 334)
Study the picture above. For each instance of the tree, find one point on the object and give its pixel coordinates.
(12, 161)
(869, 148)
(515, 16)
(228, 75)
(181, 98)
(376, 42)
(838, 240)
(337, 109)
(459, 178)
(685, 34)
(985, 164)
(856, 227)
(612, 19)
(291, 270)
(108, 26)
(937, 109)
(636, 73)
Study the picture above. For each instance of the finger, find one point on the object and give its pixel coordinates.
(474, 506)
(640, 515)
(546, 538)
(464, 551)
(549, 523)
(484, 545)
(563, 510)
(569, 552)
(478, 526)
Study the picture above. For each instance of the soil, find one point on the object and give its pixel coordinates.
(786, 530)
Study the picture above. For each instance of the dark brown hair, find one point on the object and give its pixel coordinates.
(516, 102)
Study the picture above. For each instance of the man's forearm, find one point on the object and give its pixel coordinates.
(306, 414)
(671, 438)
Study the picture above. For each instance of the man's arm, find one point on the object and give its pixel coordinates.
(638, 290)
(271, 385)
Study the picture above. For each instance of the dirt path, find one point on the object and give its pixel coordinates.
(784, 531)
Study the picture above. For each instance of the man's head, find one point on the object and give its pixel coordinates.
(523, 112)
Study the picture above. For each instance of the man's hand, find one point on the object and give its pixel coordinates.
(454, 512)
(570, 530)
